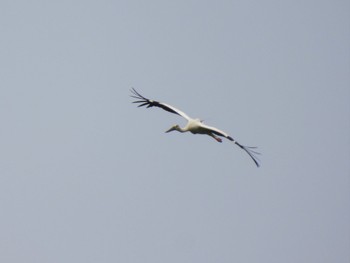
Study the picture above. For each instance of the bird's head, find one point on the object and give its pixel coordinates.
(174, 128)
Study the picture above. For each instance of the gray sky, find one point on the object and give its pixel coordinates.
(85, 176)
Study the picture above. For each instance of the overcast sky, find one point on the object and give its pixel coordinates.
(86, 176)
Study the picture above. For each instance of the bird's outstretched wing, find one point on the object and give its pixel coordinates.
(250, 150)
(152, 103)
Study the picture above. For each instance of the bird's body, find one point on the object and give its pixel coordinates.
(195, 126)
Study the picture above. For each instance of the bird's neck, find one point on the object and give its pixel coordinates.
(179, 129)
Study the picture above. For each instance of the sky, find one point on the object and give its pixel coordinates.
(86, 176)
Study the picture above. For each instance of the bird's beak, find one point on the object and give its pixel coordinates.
(171, 129)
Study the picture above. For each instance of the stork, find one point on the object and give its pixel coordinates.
(195, 126)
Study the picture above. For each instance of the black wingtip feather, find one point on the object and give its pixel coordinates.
(140, 99)
(251, 153)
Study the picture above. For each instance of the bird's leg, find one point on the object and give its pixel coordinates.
(216, 138)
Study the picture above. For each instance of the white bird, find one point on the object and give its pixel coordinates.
(195, 126)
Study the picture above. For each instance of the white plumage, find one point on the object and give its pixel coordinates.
(194, 126)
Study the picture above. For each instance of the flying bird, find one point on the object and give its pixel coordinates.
(195, 126)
